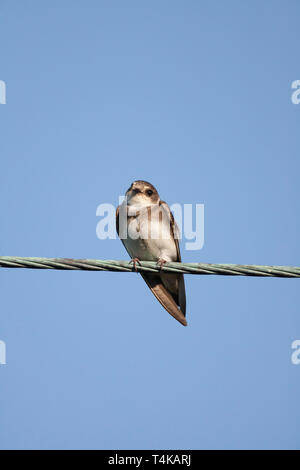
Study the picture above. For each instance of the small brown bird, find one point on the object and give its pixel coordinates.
(147, 229)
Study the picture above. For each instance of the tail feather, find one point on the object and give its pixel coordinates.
(154, 282)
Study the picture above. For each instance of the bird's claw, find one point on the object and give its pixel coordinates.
(161, 262)
(134, 261)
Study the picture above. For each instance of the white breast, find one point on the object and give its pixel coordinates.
(150, 238)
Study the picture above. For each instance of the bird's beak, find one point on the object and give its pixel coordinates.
(130, 193)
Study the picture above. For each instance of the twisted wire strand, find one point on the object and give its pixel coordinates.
(148, 266)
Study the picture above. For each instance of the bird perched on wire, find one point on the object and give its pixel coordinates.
(147, 229)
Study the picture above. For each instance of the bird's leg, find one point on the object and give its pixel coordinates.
(161, 262)
(134, 261)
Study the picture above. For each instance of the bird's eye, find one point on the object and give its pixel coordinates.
(149, 192)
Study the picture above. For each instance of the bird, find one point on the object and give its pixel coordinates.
(147, 229)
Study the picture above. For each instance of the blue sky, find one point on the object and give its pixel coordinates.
(196, 98)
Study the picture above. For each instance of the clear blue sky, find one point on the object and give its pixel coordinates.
(196, 98)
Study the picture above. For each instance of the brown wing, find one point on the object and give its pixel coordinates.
(157, 287)
(117, 219)
(175, 283)
(169, 299)
(118, 225)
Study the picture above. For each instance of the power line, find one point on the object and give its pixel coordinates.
(148, 266)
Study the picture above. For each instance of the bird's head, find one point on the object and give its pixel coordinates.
(142, 194)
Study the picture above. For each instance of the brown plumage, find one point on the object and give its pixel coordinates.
(169, 289)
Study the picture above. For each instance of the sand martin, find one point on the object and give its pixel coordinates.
(147, 229)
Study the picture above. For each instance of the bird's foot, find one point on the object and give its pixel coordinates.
(161, 262)
(134, 261)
